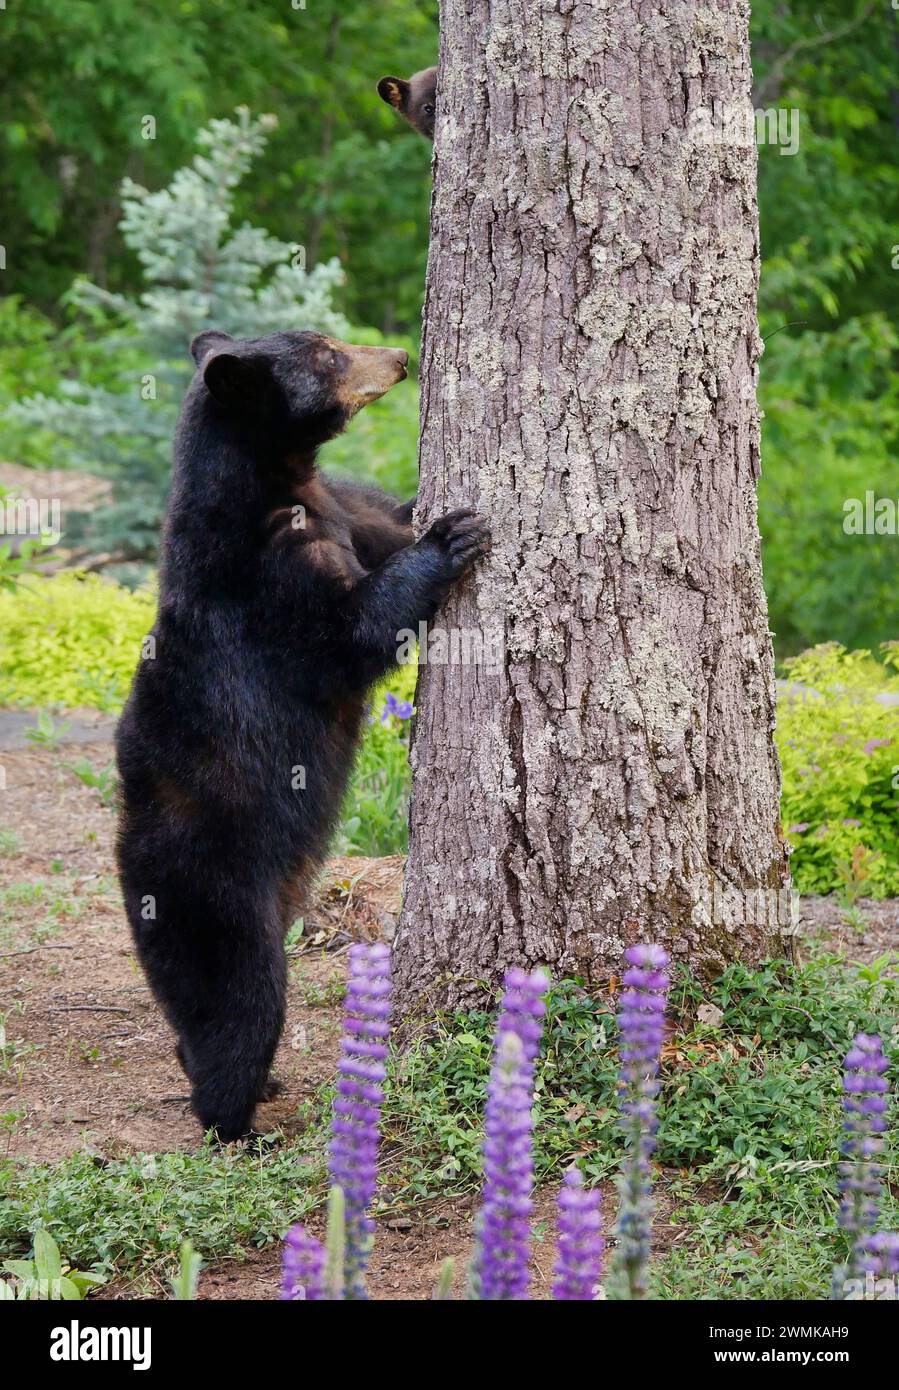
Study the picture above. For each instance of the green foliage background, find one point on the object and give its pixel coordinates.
(829, 386)
(80, 78)
(342, 177)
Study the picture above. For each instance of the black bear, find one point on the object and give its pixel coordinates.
(415, 99)
(281, 596)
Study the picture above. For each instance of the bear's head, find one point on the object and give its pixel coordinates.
(301, 388)
(415, 99)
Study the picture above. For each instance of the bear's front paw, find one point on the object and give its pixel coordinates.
(462, 537)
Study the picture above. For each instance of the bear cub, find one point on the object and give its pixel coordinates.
(416, 99)
(281, 595)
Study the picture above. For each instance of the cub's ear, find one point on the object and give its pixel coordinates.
(207, 341)
(395, 91)
(233, 380)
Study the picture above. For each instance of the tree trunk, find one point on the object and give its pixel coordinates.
(589, 366)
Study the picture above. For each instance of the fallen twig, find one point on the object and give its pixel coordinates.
(30, 950)
(88, 1009)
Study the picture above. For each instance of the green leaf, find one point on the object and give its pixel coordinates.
(46, 1256)
(185, 1286)
(335, 1245)
(444, 1288)
(86, 1281)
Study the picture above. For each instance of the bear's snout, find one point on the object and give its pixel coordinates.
(370, 372)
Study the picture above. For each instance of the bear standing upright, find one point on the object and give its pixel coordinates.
(281, 598)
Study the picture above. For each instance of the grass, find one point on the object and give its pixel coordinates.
(9, 843)
(325, 995)
(13, 1051)
(748, 1140)
(35, 910)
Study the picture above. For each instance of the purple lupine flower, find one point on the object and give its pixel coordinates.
(579, 1265)
(865, 1104)
(880, 1254)
(504, 1227)
(641, 1020)
(400, 709)
(357, 1105)
(523, 1010)
(500, 1269)
(303, 1267)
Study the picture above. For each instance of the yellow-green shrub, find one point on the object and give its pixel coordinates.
(839, 750)
(71, 640)
(75, 639)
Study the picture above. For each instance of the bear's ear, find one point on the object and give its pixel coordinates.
(233, 380)
(206, 341)
(395, 91)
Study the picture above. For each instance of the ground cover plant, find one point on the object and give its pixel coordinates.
(499, 1267)
(71, 641)
(746, 1168)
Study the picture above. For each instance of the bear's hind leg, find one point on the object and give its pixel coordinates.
(232, 1056)
(272, 1087)
(228, 1014)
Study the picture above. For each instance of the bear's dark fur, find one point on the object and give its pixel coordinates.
(281, 597)
(416, 99)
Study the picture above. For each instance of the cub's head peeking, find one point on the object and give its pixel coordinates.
(415, 99)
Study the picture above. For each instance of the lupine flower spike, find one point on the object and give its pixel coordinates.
(523, 1011)
(880, 1256)
(579, 1266)
(304, 1267)
(641, 1015)
(500, 1269)
(865, 1104)
(357, 1105)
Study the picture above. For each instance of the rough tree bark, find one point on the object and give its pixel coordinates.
(589, 366)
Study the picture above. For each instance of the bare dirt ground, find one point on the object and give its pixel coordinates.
(100, 1065)
(89, 1060)
(70, 487)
